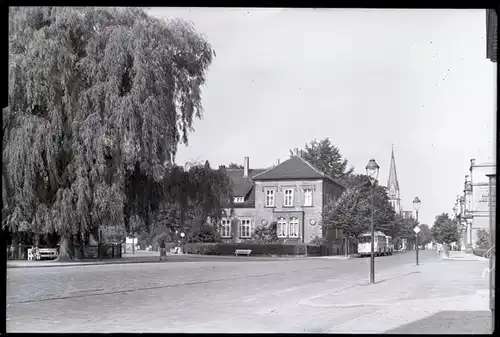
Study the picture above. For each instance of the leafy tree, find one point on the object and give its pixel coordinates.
(445, 230)
(235, 166)
(191, 198)
(425, 235)
(403, 229)
(352, 212)
(349, 213)
(326, 157)
(99, 99)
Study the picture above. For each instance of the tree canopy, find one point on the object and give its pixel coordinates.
(99, 99)
(235, 166)
(326, 157)
(353, 210)
(425, 235)
(190, 198)
(445, 229)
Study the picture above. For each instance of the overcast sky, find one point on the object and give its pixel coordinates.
(418, 79)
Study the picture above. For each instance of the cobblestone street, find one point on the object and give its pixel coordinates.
(281, 295)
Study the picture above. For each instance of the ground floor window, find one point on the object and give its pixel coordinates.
(293, 228)
(281, 227)
(225, 228)
(245, 228)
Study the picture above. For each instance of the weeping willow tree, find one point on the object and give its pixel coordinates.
(99, 99)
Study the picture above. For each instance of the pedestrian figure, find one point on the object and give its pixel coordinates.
(162, 248)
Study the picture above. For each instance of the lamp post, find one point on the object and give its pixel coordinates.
(372, 171)
(416, 205)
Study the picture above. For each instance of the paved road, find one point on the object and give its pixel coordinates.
(210, 296)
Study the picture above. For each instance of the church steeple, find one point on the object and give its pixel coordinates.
(393, 185)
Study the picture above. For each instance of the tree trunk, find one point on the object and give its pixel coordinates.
(65, 248)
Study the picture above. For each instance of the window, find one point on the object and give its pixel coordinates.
(365, 239)
(281, 228)
(225, 228)
(269, 198)
(288, 198)
(308, 197)
(245, 228)
(238, 200)
(293, 229)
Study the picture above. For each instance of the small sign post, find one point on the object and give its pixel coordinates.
(416, 230)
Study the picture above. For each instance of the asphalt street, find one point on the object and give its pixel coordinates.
(271, 295)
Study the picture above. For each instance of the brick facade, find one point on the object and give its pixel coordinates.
(323, 190)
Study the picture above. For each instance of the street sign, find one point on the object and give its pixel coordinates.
(416, 229)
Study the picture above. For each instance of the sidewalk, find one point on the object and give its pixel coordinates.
(431, 298)
(463, 256)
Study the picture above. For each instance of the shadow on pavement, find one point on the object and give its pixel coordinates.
(449, 322)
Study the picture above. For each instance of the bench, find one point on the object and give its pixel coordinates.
(50, 253)
(247, 252)
(30, 254)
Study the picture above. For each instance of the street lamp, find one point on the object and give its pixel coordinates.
(372, 171)
(416, 205)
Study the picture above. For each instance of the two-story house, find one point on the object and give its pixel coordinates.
(292, 194)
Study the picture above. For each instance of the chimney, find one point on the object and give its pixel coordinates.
(296, 151)
(472, 162)
(278, 161)
(301, 153)
(245, 167)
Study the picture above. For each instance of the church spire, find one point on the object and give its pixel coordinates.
(393, 177)
(393, 185)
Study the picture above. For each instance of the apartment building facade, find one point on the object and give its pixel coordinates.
(291, 194)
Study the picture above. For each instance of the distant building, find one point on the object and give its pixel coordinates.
(476, 197)
(292, 194)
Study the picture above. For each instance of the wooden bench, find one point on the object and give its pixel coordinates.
(247, 252)
(50, 253)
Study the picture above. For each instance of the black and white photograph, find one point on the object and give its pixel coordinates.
(250, 170)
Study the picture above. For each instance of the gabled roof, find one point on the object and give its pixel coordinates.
(294, 168)
(242, 186)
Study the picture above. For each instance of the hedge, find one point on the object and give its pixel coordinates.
(257, 249)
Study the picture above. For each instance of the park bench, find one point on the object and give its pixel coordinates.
(50, 253)
(247, 252)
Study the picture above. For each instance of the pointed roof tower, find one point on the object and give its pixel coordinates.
(392, 182)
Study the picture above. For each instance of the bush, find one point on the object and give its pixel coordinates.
(257, 249)
(200, 248)
(205, 233)
(317, 241)
(266, 234)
